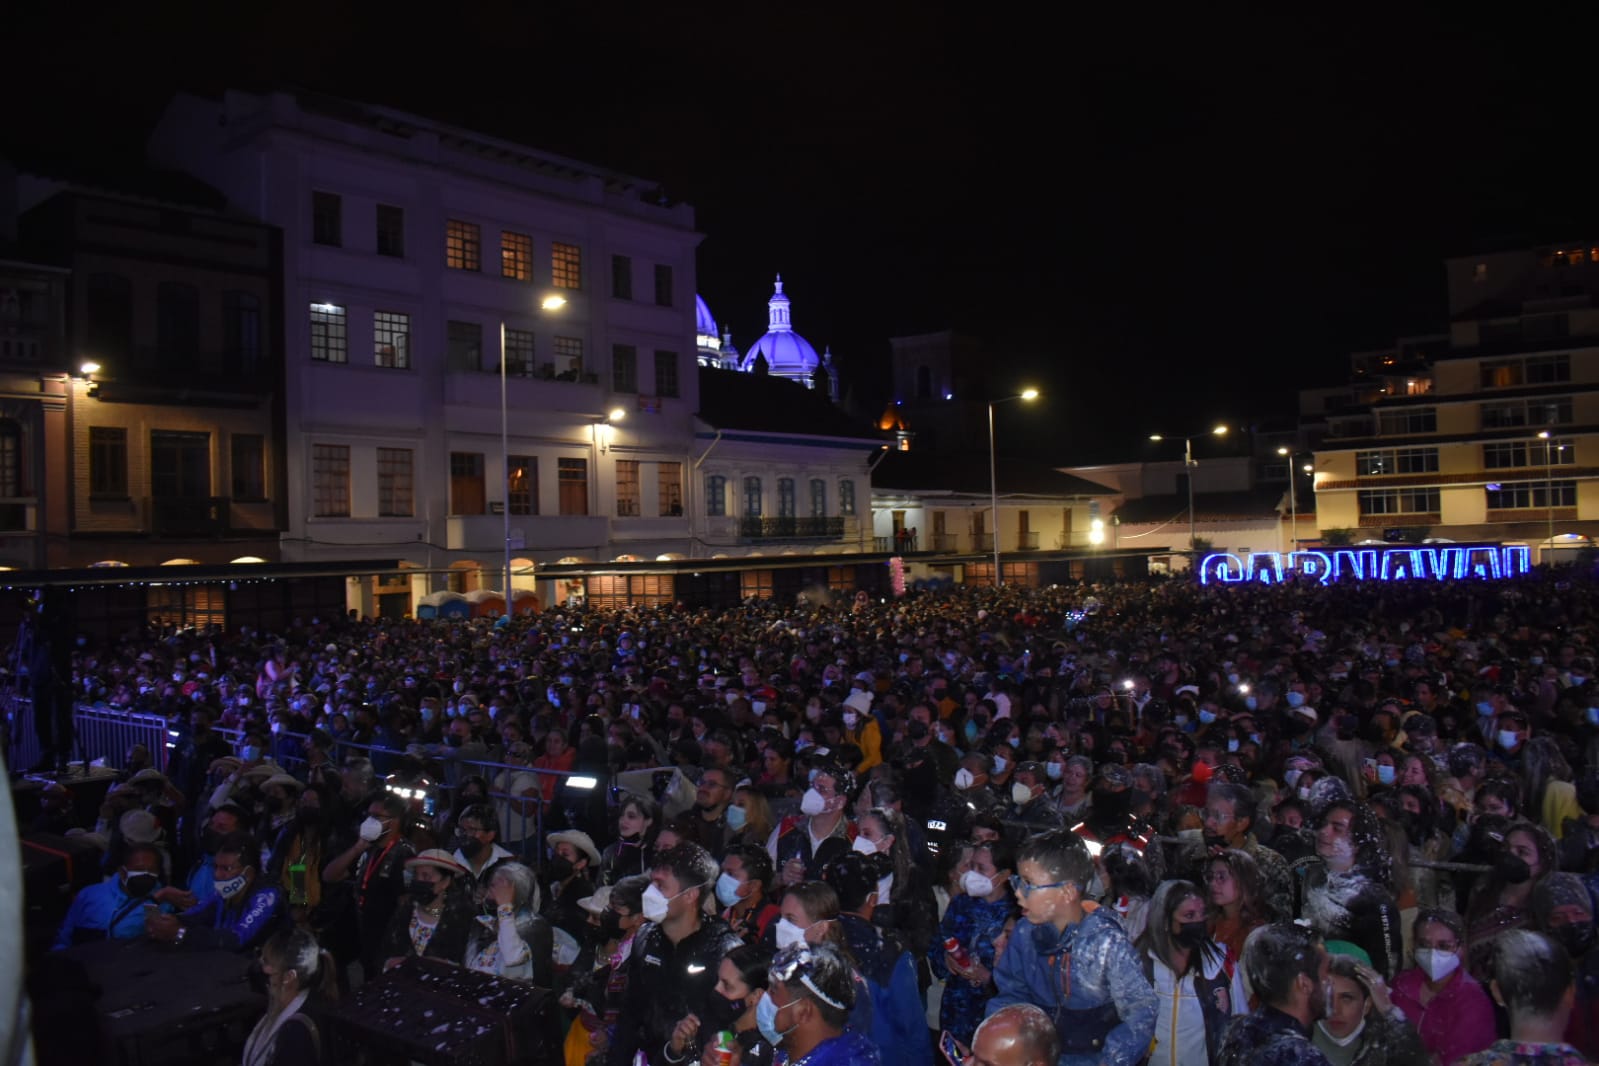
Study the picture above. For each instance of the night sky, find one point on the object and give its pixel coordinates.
(1162, 222)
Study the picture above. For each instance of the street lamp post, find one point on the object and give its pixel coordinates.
(1189, 464)
(1549, 488)
(1028, 395)
(549, 303)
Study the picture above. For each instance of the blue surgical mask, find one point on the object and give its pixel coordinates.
(1207, 717)
(1593, 715)
(735, 818)
(727, 889)
(1536, 660)
(1485, 708)
(970, 731)
(999, 765)
(766, 1012)
(1385, 774)
(1295, 698)
(1014, 742)
(1251, 702)
(249, 753)
(1054, 770)
(1232, 744)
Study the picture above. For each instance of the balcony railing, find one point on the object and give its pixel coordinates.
(895, 543)
(945, 542)
(982, 542)
(188, 516)
(790, 527)
(1026, 541)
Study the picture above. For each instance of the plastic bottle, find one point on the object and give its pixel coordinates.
(957, 952)
(724, 1048)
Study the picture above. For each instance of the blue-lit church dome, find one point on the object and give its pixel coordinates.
(785, 353)
(704, 321)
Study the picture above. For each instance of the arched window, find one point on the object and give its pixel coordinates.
(752, 497)
(715, 495)
(785, 497)
(818, 498)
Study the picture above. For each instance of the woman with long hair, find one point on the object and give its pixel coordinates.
(1360, 1027)
(1236, 898)
(1502, 898)
(1350, 896)
(974, 920)
(301, 980)
(810, 913)
(740, 985)
(637, 821)
(905, 904)
(1199, 982)
(1551, 794)
(752, 823)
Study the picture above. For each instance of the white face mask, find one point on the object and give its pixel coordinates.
(999, 765)
(788, 934)
(850, 718)
(963, 779)
(371, 829)
(655, 903)
(1437, 964)
(812, 803)
(976, 884)
(864, 846)
(1020, 793)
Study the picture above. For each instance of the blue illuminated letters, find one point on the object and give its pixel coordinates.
(1407, 562)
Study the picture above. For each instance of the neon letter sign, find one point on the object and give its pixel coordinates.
(1400, 563)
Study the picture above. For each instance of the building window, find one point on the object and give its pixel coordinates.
(522, 490)
(1396, 461)
(666, 374)
(566, 266)
(1532, 494)
(467, 494)
(177, 324)
(1516, 413)
(519, 353)
(755, 584)
(1410, 420)
(1558, 451)
(327, 219)
(568, 358)
(786, 505)
(1501, 373)
(818, 498)
(391, 339)
(663, 285)
(391, 231)
(715, 495)
(11, 483)
(109, 312)
(464, 346)
(516, 256)
(108, 461)
(622, 277)
(463, 245)
(247, 466)
(669, 488)
(846, 498)
(624, 368)
(180, 464)
(396, 498)
(329, 338)
(1548, 369)
(627, 488)
(573, 477)
(330, 480)
(241, 330)
(1398, 501)
(752, 497)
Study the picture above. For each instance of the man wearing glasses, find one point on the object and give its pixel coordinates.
(1075, 964)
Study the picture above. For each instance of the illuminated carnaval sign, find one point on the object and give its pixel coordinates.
(1399, 563)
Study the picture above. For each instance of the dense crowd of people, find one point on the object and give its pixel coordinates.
(1253, 824)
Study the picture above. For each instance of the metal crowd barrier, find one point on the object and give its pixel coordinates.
(99, 733)
(521, 819)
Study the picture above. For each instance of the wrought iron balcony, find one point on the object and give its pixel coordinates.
(945, 542)
(1026, 541)
(982, 542)
(790, 527)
